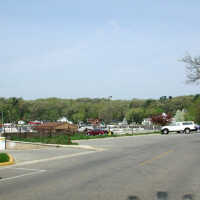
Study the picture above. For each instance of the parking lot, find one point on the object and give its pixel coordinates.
(139, 166)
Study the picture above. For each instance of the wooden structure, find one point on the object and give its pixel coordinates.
(55, 127)
(94, 122)
(66, 127)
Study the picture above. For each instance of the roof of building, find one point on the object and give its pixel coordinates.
(56, 126)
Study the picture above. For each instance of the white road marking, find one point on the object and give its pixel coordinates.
(18, 150)
(48, 159)
(54, 158)
(19, 176)
(28, 169)
(36, 171)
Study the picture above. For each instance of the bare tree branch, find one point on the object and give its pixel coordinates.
(192, 69)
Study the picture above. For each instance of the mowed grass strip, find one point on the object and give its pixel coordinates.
(63, 139)
(4, 158)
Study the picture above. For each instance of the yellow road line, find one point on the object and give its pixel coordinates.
(156, 158)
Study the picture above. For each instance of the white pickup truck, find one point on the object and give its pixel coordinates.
(180, 127)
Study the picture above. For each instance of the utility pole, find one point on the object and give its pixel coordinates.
(2, 121)
(110, 106)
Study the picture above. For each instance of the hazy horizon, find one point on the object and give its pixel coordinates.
(63, 98)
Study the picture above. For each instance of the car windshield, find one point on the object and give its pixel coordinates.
(173, 124)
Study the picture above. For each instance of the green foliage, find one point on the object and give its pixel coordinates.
(78, 136)
(193, 113)
(180, 115)
(4, 157)
(62, 139)
(135, 115)
(51, 109)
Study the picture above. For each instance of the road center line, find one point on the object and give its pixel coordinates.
(155, 158)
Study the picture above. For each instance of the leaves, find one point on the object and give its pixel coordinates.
(162, 119)
(51, 109)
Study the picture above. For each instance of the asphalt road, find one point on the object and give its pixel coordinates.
(137, 167)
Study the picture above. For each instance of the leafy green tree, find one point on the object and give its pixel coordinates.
(135, 115)
(78, 117)
(106, 114)
(51, 109)
(180, 115)
(193, 112)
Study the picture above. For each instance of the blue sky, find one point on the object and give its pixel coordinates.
(71, 49)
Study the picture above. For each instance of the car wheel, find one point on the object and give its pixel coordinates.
(165, 131)
(187, 131)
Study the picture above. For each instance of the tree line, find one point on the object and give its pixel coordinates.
(135, 110)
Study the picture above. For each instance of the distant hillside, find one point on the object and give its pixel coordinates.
(51, 109)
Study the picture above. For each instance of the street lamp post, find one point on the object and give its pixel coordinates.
(2, 121)
(110, 106)
(2, 117)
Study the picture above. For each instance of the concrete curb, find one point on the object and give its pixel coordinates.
(10, 162)
(86, 147)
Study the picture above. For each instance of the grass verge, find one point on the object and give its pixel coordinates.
(4, 158)
(47, 140)
(78, 136)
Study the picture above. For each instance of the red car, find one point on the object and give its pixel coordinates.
(97, 132)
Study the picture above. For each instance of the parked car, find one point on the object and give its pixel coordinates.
(85, 128)
(97, 132)
(180, 127)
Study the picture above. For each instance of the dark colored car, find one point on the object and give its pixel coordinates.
(197, 127)
(97, 132)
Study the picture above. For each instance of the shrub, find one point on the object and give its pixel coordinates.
(4, 157)
(161, 120)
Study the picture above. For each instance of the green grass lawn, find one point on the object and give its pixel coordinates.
(79, 136)
(62, 139)
(4, 157)
(47, 140)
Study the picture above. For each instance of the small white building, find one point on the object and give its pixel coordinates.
(9, 128)
(21, 122)
(147, 122)
(123, 123)
(64, 119)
